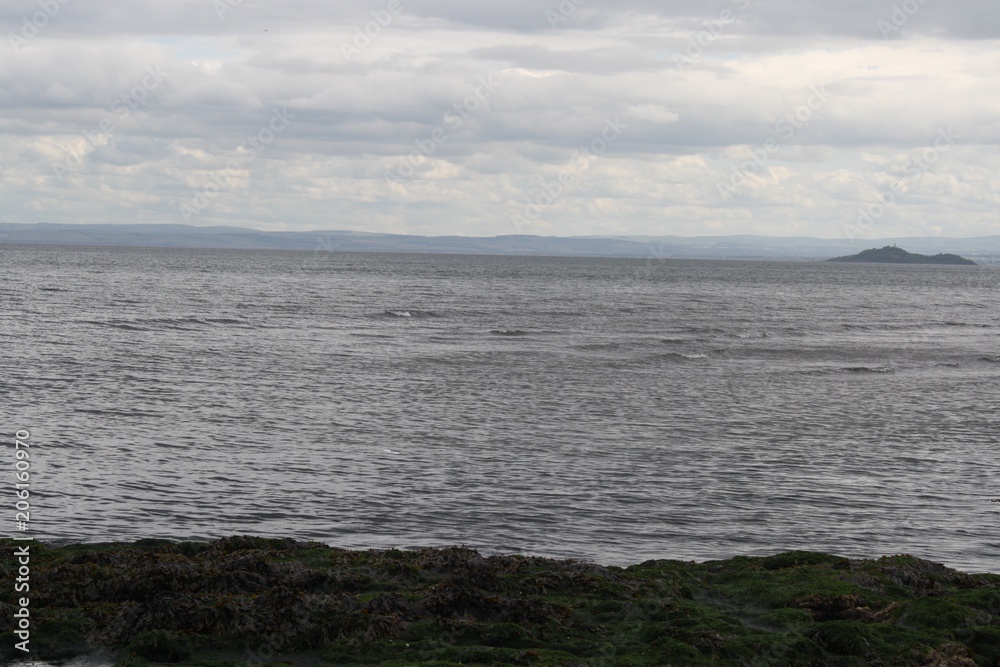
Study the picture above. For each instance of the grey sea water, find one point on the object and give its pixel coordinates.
(611, 410)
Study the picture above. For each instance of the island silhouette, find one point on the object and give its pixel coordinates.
(893, 255)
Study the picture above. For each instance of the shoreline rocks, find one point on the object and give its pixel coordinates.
(250, 600)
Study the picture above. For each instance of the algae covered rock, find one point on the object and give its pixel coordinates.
(249, 600)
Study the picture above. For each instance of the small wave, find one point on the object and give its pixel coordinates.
(152, 324)
(909, 327)
(116, 325)
(407, 313)
(173, 322)
(117, 413)
(358, 334)
(990, 360)
(711, 331)
(870, 369)
(678, 356)
(600, 346)
(882, 327)
(751, 334)
(508, 332)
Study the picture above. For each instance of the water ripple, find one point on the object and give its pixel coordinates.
(563, 408)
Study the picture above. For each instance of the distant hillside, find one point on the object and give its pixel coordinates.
(239, 238)
(894, 255)
(984, 249)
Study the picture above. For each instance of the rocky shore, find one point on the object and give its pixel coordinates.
(256, 601)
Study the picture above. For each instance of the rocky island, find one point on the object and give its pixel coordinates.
(268, 602)
(893, 255)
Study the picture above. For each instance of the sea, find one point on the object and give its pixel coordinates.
(610, 410)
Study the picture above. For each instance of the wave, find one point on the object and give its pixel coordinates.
(118, 413)
(723, 334)
(910, 327)
(881, 327)
(159, 323)
(224, 320)
(599, 347)
(407, 313)
(870, 369)
(508, 332)
(713, 331)
(175, 322)
(115, 325)
(680, 356)
(627, 345)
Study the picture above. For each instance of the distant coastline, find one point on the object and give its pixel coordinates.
(985, 250)
(894, 255)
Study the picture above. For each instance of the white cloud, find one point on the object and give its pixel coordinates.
(652, 113)
(87, 136)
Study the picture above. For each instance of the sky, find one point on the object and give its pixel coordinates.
(857, 118)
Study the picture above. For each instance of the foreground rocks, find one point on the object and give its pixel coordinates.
(247, 600)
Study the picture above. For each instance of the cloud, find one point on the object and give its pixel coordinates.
(112, 111)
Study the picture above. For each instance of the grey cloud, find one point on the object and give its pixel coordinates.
(971, 19)
(409, 97)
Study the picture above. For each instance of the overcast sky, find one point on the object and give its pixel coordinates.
(778, 117)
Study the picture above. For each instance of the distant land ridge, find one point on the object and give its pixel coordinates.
(983, 249)
(894, 255)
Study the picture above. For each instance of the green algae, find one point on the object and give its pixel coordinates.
(250, 600)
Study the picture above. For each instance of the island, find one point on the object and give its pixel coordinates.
(893, 255)
(271, 602)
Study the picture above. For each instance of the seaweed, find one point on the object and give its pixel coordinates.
(246, 600)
